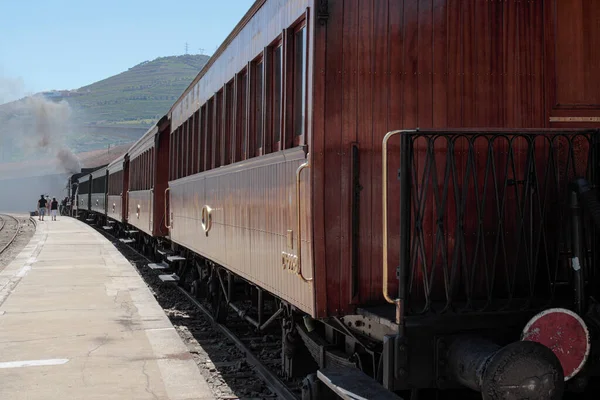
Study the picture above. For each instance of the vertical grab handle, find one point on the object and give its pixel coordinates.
(384, 185)
(167, 224)
(302, 166)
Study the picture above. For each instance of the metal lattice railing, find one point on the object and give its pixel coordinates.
(488, 218)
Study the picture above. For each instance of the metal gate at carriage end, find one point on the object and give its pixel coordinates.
(485, 219)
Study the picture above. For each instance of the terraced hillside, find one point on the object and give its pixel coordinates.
(138, 96)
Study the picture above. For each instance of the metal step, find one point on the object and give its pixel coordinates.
(107, 227)
(126, 241)
(131, 232)
(110, 222)
(90, 220)
(169, 278)
(175, 258)
(162, 252)
(353, 384)
(162, 265)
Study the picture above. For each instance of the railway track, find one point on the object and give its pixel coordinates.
(235, 360)
(8, 222)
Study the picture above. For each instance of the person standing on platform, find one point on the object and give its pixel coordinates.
(42, 207)
(53, 208)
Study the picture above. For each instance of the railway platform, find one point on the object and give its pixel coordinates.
(78, 322)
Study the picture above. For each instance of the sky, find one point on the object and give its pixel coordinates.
(67, 44)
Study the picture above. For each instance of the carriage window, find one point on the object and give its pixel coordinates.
(181, 158)
(189, 144)
(242, 117)
(218, 153)
(186, 147)
(201, 136)
(299, 81)
(229, 120)
(194, 135)
(151, 183)
(132, 175)
(145, 170)
(277, 96)
(210, 115)
(171, 157)
(134, 171)
(258, 106)
(115, 183)
(142, 170)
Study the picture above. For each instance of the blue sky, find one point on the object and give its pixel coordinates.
(66, 44)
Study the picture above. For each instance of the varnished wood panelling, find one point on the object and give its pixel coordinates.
(393, 64)
(261, 29)
(160, 181)
(573, 37)
(577, 40)
(253, 205)
(143, 219)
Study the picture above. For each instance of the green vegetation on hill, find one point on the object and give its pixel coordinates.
(138, 96)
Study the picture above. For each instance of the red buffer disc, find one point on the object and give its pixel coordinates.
(565, 333)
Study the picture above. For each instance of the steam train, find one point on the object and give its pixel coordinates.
(460, 254)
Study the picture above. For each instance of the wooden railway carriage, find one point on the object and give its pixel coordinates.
(233, 188)
(98, 191)
(148, 167)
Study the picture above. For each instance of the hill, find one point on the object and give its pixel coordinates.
(136, 97)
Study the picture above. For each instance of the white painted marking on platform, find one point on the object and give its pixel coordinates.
(23, 271)
(32, 260)
(34, 363)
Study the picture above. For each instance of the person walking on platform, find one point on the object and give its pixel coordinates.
(53, 208)
(42, 207)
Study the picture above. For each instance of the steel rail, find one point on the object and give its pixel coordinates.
(16, 231)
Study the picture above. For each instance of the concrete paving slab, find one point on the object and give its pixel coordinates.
(78, 322)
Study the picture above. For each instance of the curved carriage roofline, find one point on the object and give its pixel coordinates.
(116, 165)
(99, 172)
(144, 143)
(84, 178)
(236, 30)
